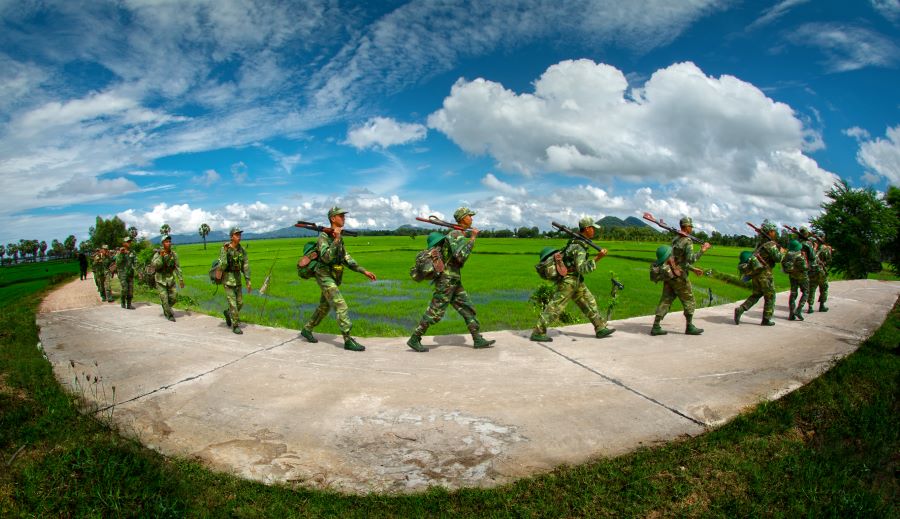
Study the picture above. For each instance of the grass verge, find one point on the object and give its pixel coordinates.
(828, 449)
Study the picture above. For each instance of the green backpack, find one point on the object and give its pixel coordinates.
(660, 272)
(429, 264)
(306, 266)
(551, 266)
(212, 273)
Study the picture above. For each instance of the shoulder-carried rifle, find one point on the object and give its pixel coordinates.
(649, 217)
(434, 220)
(577, 236)
(759, 231)
(264, 289)
(318, 228)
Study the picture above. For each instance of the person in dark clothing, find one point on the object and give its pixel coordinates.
(82, 264)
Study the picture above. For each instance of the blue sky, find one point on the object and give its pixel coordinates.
(260, 113)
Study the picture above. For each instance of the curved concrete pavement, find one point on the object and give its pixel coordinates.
(268, 406)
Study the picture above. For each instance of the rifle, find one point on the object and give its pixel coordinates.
(811, 235)
(577, 236)
(613, 294)
(649, 217)
(434, 220)
(759, 231)
(318, 228)
(265, 285)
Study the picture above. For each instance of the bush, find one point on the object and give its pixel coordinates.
(541, 296)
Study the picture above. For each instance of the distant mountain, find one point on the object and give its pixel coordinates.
(222, 236)
(615, 221)
(633, 221)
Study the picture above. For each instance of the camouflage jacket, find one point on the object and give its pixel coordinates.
(166, 268)
(100, 263)
(125, 262)
(824, 256)
(577, 259)
(233, 263)
(456, 249)
(769, 253)
(806, 247)
(333, 257)
(800, 265)
(683, 254)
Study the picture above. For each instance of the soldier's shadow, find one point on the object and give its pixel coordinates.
(455, 341)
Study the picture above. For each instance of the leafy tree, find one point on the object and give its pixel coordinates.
(57, 249)
(860, 226)
(13, 250)
(69, 243)
(2, 253)
(204, 231)
(108, 232)
(893, 199)
(85, 246)
(43, 248)
(165, 229)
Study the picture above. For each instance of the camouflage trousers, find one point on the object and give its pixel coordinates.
(763, 286)
(681, 288)
(103, 285)
(570, 288)
(448, 290)
(331, 297)
(798, 282)
(127, 289)
(818, 280)
(235, 297)
(167, 297)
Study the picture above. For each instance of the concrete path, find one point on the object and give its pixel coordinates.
(268, 406)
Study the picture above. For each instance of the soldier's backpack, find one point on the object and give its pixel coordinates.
(214, 276)
(146, 276)
(793, 262)
(552, 267)
(429, 264)
(306, 266)
(660, 272)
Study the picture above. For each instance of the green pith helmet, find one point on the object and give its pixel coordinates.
(804, 232)
(126, 239)
(435, 238)
(165, 237)
(235, 230)
(104, 247)
(662, 254)
(462, 212)
(586, 222)
(547, 251)
(334, 211)
(745, 256)
(767, 226)
(794, 246)
(686, 221)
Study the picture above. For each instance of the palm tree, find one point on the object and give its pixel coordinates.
(204, 231)
(165, 229)
(56, 248)
(13, 250)
(43, 247)
(69, 244)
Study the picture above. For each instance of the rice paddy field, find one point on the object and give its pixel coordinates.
(499, 276)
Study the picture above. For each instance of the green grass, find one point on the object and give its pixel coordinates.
(499, 277)
(17, 281)
(828, 449)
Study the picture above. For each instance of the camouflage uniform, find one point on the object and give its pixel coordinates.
(820, 280)
(679, 286)
(233, 263)
(763, 283)
(166, 270)
(448, 288)
(799, 282)
(102, 276)
(572, 287)
(329, 274)
(125, 263)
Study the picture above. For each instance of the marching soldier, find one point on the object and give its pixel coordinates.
(572, 287)
(232, 263)
(799, 276)
(768, 253)
(166, 269)
(681, 261)
(125, 263)
(102, 276)
(333, 258)
(448, 288)
(820, 281)
(808, 248)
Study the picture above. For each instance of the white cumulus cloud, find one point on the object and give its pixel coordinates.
(882, 155)
(496, 184)
(383, 132)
